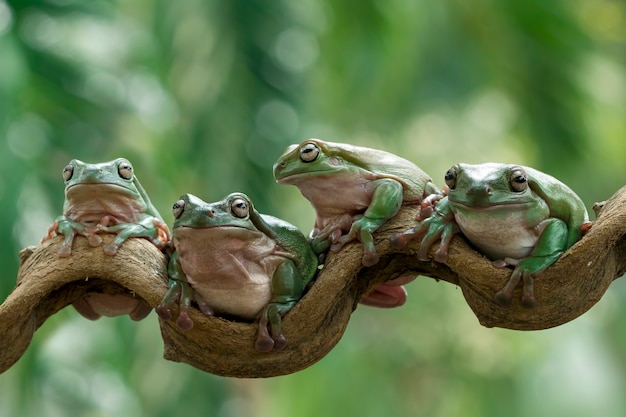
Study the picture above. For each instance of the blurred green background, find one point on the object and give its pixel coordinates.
(203, 95)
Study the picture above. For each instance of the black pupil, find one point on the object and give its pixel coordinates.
(520, 179)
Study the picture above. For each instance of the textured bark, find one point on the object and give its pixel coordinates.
(47, 283)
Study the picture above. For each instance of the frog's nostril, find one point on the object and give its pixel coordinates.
(210, 213)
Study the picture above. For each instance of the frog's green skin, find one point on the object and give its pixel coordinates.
(515, 215)
(234, 261)
(353, 189)
(107, 198)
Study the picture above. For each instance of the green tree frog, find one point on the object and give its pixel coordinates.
(513, 214)
(354, 190)
(234, 261)
(107, 198)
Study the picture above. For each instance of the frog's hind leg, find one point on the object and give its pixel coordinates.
(551, 245)
(69, 229)
(386, 201)
(287, 288)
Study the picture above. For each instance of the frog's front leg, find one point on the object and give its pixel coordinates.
(69, 229)
(181, 293)
(287, 288)
(550, 246)
(149, 228)
(322, 239)
(386, 201)
(440, 224)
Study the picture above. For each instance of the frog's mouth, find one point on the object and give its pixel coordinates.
(491, 207)
(304, 176)
(98, 187)
(217, 231)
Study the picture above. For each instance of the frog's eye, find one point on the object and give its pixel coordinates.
(519, 180)
(68, 172)
(309, 152)
(178, 208)
(239, 208)
(450, 178)
(125, 170)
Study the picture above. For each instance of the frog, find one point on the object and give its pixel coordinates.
(107, 198)
(515, 215)
(236, 262)
(354, 190)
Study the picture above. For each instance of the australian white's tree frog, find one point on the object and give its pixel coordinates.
(354, 190)
(513, 214)
(236, 262)
(107, 198)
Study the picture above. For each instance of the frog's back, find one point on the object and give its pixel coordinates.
(295, 244)
(564, 203)
(386, 165)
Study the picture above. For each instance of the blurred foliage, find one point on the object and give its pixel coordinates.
(202, 96)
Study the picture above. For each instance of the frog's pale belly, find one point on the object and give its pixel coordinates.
(231, 268)
(500, 234)
(333, 196)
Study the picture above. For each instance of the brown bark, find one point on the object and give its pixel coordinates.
(47, 283)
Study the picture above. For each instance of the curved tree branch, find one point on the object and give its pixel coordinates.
(47, 283)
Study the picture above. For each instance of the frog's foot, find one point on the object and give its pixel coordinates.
(400, 240)
(390, 294)
(52, 231)
(65, 250)
(164, 310)
(362, 229)
(271, 317)
(162, 233)
(427, 206)
(93, 239)
(178, 292)
(107, 221)
(111, 249)
(66, 247)
(585, 227)
(503, 263)
(505, 295)
(181, 292)
(264, 342)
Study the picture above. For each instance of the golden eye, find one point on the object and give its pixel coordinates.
(125, 170)
(178, 208)
(68, 172)
(309, 152)
(518, 180)
(239, 207)
(450, 177)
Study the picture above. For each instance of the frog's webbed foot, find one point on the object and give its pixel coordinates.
(439, 225)
(321, 240)
(181, 292)
(361, 229)
(429, 203)
(69, 229)
(162, 233)
(270, 334)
